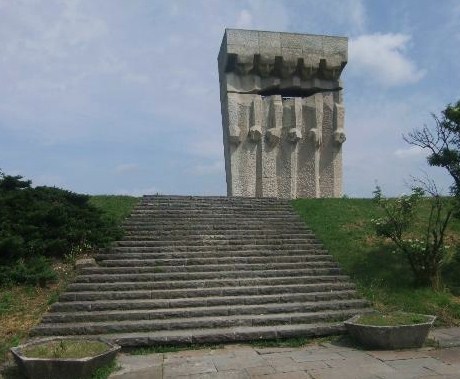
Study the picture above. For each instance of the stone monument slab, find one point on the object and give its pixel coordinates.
(282, 113)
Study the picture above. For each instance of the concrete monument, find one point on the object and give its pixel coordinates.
(282, 113)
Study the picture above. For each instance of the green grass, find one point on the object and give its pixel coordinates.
(116, 207)
(65, 349)
(294, 342)
(6, 302)
(172, 348)
(382, 276)
(105, 371)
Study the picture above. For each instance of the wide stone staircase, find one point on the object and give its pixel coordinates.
(207, 269)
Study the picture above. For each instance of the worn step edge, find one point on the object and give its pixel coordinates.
(151, 290)
(149, 236)
(208, 311)
(217, 242)
(230, 238)
(106, 305)
(271, 254)
(234, 228)
(159, 277)
(225, 335)
(193, 322)
(223, 248)
(139, 266)
(150, 259)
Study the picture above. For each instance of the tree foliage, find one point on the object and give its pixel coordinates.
(443, 142)
(426, 252)
(45, 222)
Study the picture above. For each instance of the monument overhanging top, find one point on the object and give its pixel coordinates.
(282, 54)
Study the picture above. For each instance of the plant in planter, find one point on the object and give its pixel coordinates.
(59, 357)
(390, 331)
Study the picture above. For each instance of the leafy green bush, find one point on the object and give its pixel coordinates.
(45, 222)
(35, 270)
(428, 253)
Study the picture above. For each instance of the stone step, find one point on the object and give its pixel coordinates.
(182, 228)
(250, 289)
(103, 327)
(222, 248)
(125, 260)
(210, 209)
(329, 293)
(140, 266)
(138, 284)
(215, 213)
(192, 276)
(191, 234)
(217, 218)
(210, 254)
(207, 269)
(228, 229)
(224, 335)
(211, 217)
(199, 237)
(203, 311)
(211, 199)
(217, 242)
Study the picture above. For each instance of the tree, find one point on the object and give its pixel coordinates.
(425, 248)
(443, 142)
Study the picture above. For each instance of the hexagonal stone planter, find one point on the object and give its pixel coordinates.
(390, 337)
(67, 368)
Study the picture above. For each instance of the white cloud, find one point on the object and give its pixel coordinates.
(263, 15)
(413, 151)
(244, 20)
(356, 12)
(382, 58)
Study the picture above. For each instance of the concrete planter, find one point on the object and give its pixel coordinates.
(67, 368)
(389, 337)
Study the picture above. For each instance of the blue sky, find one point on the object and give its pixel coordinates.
(122, 96)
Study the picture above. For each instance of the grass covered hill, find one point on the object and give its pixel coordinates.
(381, 274)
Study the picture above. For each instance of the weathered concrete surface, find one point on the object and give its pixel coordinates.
(327, 360)
(282, 113)
(139, 367)
(446, 337)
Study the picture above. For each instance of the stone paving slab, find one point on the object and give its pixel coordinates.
(139, 367)
(446, 337)
(320, 361)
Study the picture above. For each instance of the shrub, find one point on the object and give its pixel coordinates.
(45, 222)
(428, 253)
(35, 270)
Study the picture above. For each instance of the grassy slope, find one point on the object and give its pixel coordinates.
(382, 276)
(21, 307)
(116, 207)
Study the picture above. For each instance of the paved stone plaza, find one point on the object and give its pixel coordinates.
(319, 361)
